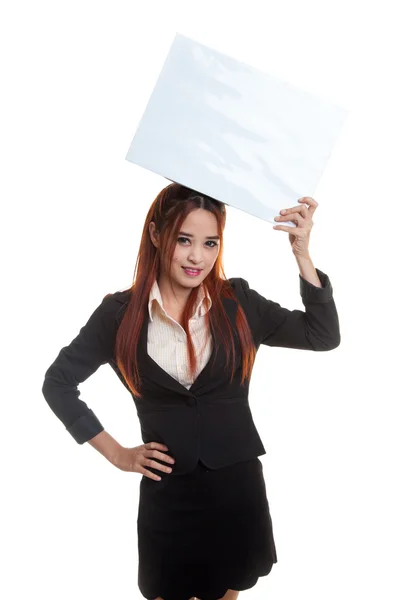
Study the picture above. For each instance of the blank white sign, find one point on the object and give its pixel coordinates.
(233, 132)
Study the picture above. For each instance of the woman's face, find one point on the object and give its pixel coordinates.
(195, 248)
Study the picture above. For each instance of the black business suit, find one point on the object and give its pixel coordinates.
(211, 422)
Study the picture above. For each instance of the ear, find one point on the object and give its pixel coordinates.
(154, 235)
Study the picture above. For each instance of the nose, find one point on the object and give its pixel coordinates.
(195, 257)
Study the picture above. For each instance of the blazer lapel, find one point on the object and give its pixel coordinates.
(164, 378)
(157, 373)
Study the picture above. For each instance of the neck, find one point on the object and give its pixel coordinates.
(174, 298)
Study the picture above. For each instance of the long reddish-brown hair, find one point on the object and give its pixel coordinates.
(168, 211)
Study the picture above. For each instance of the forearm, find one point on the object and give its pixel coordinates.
(104, 443)
(307, 270)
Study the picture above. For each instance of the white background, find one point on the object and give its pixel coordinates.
(75, 78)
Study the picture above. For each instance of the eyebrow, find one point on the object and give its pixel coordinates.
(208, 237)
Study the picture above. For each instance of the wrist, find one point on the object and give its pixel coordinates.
(307, 270)
(302, 257)
(115, 458)
(104, 443)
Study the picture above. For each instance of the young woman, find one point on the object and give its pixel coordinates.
(183, 340)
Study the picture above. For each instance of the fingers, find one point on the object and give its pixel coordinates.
(152, 463)
(293, 216)
(299, 232)
(312, 204)
(302, 208)
(151, 452)
(295, 209)
(150, 475)
(148, 460)
(300, 215)
(155, 446)
(160, 455)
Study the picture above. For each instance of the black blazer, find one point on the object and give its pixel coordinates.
(211, 421)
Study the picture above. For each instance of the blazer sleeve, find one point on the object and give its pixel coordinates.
(92, 347)
(316, 328)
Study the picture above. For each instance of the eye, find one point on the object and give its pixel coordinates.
(181, 239)
(208, 242)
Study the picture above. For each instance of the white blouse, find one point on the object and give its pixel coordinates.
(167, 340)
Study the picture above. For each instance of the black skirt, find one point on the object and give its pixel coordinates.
(204, 532)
